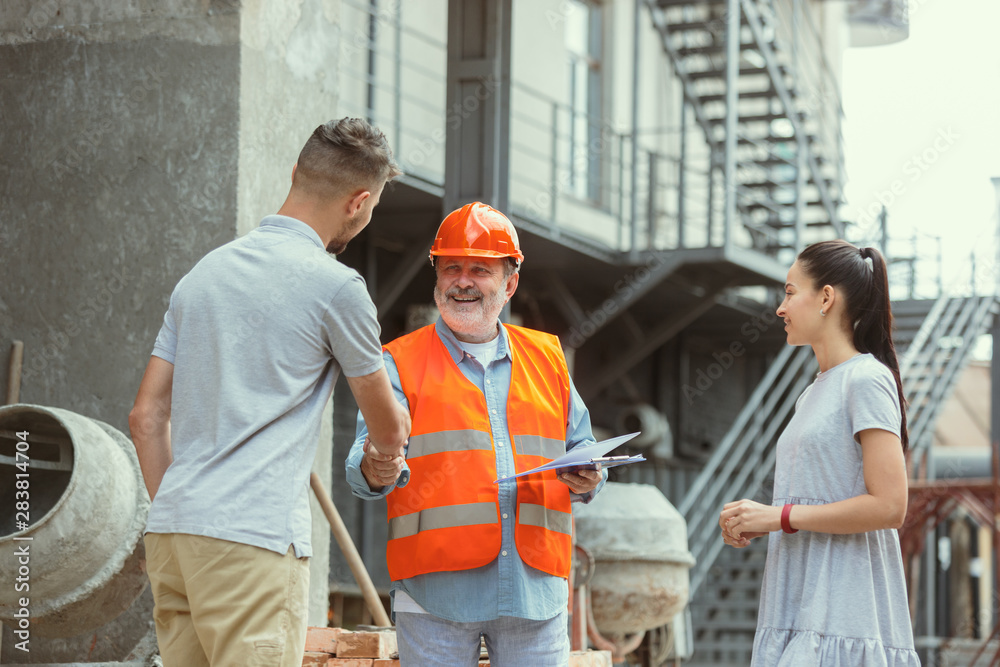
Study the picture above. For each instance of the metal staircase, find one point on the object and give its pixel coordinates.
(935, 339)
(935, 357)
(780, 152)
(725, 582)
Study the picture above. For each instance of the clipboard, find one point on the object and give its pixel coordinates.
(586, 457)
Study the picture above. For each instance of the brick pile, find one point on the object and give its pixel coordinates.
(336, 647)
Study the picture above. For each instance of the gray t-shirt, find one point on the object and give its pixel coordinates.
(834, 599)
(258, 332)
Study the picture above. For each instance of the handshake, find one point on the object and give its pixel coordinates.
(381, 469)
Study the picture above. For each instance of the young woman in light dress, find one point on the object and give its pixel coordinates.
(833, 592)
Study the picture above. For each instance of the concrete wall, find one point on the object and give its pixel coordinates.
(119, 172)
(137, 137)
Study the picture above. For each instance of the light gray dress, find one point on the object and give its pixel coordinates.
(834, 600)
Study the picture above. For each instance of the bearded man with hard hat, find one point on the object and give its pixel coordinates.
(469, 557)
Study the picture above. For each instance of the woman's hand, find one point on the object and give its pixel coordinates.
(744, 520)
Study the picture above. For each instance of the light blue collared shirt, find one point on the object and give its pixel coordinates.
(507, 586)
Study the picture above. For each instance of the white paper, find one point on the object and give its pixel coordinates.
(580, 455)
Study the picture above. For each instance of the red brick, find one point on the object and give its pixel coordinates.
(322, 640)
(385, 663)
(315, 659)
(366, 644)
(350, 662)
(590, 659)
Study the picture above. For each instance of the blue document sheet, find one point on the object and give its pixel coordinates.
(586, 457)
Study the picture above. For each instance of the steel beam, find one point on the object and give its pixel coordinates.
(565, 301)
(477, 131)
(407, 268)
(630, 289)
(670, 327)
(732, 117)
(634, 194)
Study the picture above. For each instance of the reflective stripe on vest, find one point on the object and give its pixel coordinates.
(538, 515)
(448, 441)
(451, 516)
(536, 445)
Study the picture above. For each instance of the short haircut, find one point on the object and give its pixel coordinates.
(344, 156)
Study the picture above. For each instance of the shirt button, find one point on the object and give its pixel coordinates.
(505, 515)
(503, 553)
(488, 381)
(494, 411)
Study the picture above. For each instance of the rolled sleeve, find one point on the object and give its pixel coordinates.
(580, 432)
(359, 485)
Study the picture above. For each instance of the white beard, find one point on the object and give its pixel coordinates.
(476, 319)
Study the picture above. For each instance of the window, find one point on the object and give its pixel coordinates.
(583, 43)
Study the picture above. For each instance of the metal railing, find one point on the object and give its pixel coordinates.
(393, 73)
(545, 169)
(943, 345)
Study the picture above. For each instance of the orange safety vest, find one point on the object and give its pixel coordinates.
(447, 517)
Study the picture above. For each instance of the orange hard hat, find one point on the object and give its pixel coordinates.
(477, 230)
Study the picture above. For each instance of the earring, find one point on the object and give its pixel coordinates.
(822, 314)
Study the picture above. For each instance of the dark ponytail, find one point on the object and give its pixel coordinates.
(866, 290)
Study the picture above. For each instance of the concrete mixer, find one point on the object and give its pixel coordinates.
(638, 542)
(72, 546)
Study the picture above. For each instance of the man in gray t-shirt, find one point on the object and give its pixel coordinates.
(226, 421)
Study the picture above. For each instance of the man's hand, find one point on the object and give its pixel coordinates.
(379, 469)
(582, 481)
(388, 422)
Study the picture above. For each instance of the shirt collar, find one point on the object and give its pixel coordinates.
(293, 225)
(452, 344)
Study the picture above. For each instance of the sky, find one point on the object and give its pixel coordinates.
(922, 131)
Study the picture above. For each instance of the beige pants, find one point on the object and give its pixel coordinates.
(225, 604)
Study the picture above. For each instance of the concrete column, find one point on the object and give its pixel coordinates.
(138, 136)
(477, 149)
(288, 56)
(120, 127)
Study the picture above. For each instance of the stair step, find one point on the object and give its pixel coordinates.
(745, 141)
(721, 73)
(743, 95)
(778, 162)
(717, 25)
(773, 185)
(681, 3)
(812, 224)
(713, 49)
(747, 118)
(756, 206)
(729, 626)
